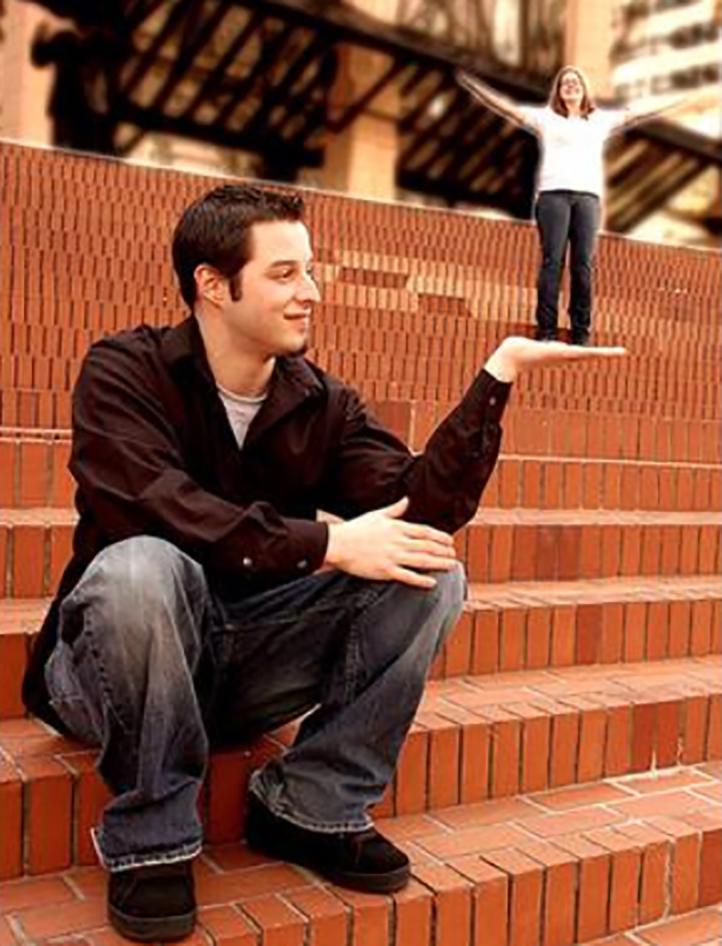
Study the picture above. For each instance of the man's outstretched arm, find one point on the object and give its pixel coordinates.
(382, 545)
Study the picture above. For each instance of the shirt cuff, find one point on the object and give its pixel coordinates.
(309, 541)
(491, 395)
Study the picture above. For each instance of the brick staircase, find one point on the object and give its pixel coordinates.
(562, 782)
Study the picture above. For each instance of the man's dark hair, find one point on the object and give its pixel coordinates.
(215, 230)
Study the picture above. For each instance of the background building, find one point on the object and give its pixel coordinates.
(359, 96)
(666, 48)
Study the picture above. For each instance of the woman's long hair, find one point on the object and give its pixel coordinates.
(555, 100)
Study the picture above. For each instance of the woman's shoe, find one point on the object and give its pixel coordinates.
(546, 335)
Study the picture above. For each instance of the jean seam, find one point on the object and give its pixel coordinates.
(119, 862)
(98, 664)
(354, 670)
(105, 687)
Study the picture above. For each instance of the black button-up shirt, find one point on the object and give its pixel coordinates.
(153, 453)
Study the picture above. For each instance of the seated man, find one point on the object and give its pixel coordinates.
(205, 603)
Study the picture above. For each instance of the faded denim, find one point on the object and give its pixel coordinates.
(154, 668)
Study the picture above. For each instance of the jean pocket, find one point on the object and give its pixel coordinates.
(66, 696)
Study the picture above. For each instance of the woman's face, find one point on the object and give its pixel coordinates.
(571, 88)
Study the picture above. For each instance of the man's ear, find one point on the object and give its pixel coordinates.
(211, 286)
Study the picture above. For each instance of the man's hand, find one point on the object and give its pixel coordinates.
(381, 545)
(516, 354)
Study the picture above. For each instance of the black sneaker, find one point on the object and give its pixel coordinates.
(581, 338)
(155, 903)
(546, 334)
(361, 860)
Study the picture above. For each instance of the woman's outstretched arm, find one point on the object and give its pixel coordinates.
(494, 100)
(635, 115)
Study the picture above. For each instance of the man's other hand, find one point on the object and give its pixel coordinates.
(381, 545)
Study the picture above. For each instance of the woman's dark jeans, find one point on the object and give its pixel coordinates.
(566, 217)
(152, 667)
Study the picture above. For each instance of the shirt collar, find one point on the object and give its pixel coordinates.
(293, 378)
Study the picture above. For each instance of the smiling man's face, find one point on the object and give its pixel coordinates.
(273, 315)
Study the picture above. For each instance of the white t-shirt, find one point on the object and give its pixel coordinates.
(572, 148)
(240, 411)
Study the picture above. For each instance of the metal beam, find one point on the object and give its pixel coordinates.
(468, 147)
(193, 42)
(433, 132)
(244, 85)
(216, 76)
(408, 121)
(177, 13)
(635, 175)
(322, 80)
(655, 186)
(140, 11)
(495, 166)
(487, 154)
(280, 94)
(665, 188)
(353, 111)
(361, 29)
(212, 133)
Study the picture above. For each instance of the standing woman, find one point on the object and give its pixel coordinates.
(572, 132)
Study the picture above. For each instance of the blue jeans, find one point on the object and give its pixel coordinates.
(566, 217)
(154, 668)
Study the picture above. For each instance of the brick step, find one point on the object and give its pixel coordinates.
(527, 431)
(545, 544)
(379, 320)
(571, 433)
(70, 907)
(38, 476)
(504, 627)
(383, 325)
(697, 928)
(499, 545)
(475, 303)
(99, 191)
(572, 483)
(467, 340)
(451, 360)
(50, 408)
(361, 238)
(454, 238)
(47, 404)
(551, 868)
(474, 738)
(113, 287)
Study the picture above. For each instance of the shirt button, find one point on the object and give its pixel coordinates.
(247, 562)
(492, 401)
(302, 565)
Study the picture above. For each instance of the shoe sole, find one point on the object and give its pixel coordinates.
(366, 883)
(145, 929)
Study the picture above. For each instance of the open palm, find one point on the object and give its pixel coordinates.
(517, 353)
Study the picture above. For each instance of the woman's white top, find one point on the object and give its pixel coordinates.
(572, 147)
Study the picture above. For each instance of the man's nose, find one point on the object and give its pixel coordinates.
(308, 290)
